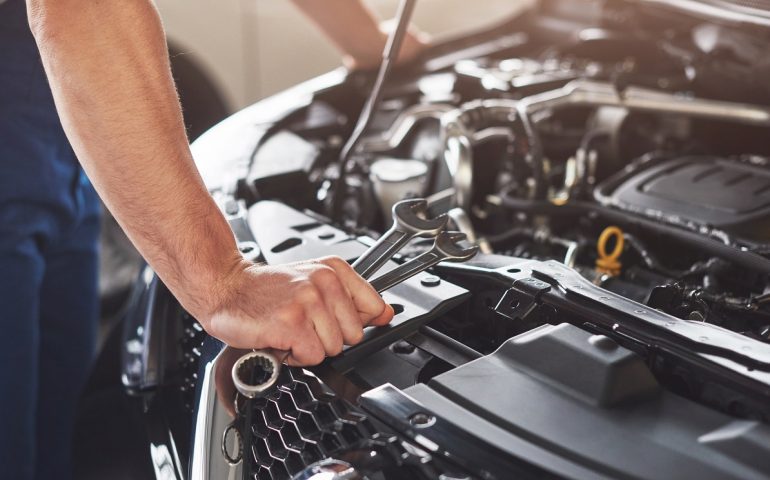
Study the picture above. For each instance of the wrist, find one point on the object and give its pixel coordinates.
(215, 291)
(201, 262)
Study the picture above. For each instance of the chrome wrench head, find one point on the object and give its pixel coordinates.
(256, 372)
(409, 221)
(411, 216)
(445, 248)
(450, 251)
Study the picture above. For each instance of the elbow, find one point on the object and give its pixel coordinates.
(36, 14)
(44, 16)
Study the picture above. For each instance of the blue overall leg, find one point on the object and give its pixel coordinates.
(21, 275)
(48, 318)
(68, 318)
(48, 240)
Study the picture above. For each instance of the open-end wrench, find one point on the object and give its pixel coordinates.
(409, 221)
(445, 249)
(258, 371)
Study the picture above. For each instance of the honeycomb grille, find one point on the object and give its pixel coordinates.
(190, 344)
(298, 423)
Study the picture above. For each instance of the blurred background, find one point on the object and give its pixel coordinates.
(251, 49)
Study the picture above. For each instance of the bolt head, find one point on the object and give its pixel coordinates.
(422, 420)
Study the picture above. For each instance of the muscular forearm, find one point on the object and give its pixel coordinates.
(108, 68)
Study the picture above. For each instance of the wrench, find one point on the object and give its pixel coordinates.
(445, 248)
(407, 224)
(267, 363)
(257, 371)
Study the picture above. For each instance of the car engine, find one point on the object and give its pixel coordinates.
(611, 163)
(536, 155)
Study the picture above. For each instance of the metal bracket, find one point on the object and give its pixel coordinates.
(521, 299)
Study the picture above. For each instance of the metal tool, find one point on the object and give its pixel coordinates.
(256, 371)
(409, 221)
(392, 47)
(444, 249)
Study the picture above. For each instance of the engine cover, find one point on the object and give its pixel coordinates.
(704, 191)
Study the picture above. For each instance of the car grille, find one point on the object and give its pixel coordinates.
(190, 344)
(299, 423)
(302, 421)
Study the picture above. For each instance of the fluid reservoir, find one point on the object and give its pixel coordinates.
(395, 179)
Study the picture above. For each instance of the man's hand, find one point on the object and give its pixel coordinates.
(309, 309)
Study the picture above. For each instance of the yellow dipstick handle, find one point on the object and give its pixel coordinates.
(609, 263)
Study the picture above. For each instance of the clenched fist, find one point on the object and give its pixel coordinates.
(309, 309)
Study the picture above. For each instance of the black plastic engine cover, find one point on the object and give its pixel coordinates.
(705, 191)
(581, 406)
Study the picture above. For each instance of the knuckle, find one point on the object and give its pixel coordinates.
(336, 288)
(323, 274)
(336, 350)
(283, 344)
(334, 261)
(316, 357)
(291, 314)
(308, 294)
(356, 335)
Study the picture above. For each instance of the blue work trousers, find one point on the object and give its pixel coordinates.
(49, 226)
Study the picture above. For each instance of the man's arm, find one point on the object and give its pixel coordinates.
(108, 69)
(354, 30)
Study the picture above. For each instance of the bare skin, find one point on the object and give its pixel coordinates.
(108, 69)
(352, 27)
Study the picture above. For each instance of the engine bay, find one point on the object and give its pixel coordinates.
(535, 157)
(611, 163)
(625, 164)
